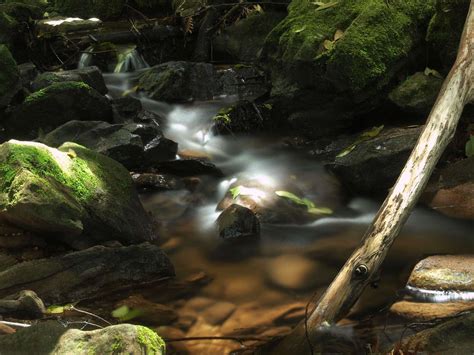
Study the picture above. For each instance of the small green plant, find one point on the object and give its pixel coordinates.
(223, 115)
(311, 207)
(365, 136)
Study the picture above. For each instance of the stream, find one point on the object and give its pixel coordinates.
(291, 260)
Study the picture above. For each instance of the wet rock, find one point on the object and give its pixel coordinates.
(218, 312)
(327, 59)
(453, 336)
(243, 117)
(418, 311)
(159, 182)
(25, 304)
(188, 167)
(187, 81)
(147, 312)
(10, 82)
(238, 223)
(179, 81)
(243, 40)
(445, 28)
(71, 194)
(296, 272)
(54, 338)
(373, 166)
(6, 261)
(126, 109)
(59, 24)
(92, 76)
(55, 105)
(443, 277)
(417, 93)
(134, 145)
(14, 238)
(28, 73)
(86, 274)
(451, 190)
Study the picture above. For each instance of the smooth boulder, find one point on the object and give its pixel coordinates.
(71, 193)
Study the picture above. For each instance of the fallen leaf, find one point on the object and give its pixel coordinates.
(435, 73)
(338, 35)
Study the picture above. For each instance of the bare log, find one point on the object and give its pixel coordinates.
(363, 265)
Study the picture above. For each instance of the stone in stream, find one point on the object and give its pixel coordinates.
(443, 278)
(90, 273)
(417, 93)
(425, 312)
(70, 194)
(92, 76)
(25, 304)
(10, 81)
(53, 338)
(237, 223)
(451, 190)
(55, 105)
(135, 145)
(188, 167)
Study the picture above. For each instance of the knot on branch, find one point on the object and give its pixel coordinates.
(361, 271)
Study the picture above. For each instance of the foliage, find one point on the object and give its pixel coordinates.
(365, 136)
(311, 207)
(223, 115)
(124, 313)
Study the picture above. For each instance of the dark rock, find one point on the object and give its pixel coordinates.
(24, 304)
(237, 223)
(451, 190)
(157, 182)
(87, 274)
(104, 9)
(373, 165)
(134, 145)
(53, 338)
(243, 40)
(243, 81)
(188, 167)
(10, 80)
(54, 105)
(92, 76)
(417, 93)
(126, 108)
(28, 73)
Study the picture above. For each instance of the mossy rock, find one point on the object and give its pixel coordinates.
(10, 82)
(417, 93)
(54, 105)
(69, 192)
(52, 337)
(353, 46)
(244, 40)
(102, 9)
(445, 29)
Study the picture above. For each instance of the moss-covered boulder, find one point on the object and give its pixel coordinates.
(445, 28)
(52, 337)
(417, 93)
(10, 81)
(348, 49)
(102, 9)
(54, 105)
(69, 193)
(244, 40)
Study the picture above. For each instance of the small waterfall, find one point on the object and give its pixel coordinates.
(130, 60)
(86, 58)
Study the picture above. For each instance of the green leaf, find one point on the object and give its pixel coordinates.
(320, 210)
(325, 5)
(235, 191)
(372, 133)
(470, 147)
(365, 136)
(346, 151)
(301, 29)
(58, 309)
(124, 313)
(268, 106)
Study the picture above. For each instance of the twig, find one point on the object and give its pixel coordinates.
(15, 324)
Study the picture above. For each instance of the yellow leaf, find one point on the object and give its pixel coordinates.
(435, 73)
(338, 35)
(328, 45)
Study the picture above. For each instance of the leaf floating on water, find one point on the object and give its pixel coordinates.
(124, 313)
(365, 136)
(435, 73)
(320, 210)
(235, 191)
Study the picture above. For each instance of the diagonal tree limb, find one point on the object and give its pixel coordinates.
(362, 267)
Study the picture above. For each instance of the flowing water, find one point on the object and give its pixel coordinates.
(268, 272)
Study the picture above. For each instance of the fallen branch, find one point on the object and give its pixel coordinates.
(363, 265)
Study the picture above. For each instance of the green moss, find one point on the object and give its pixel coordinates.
(150, 341)
(117, 345)
(376, 37)
(55, 88)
